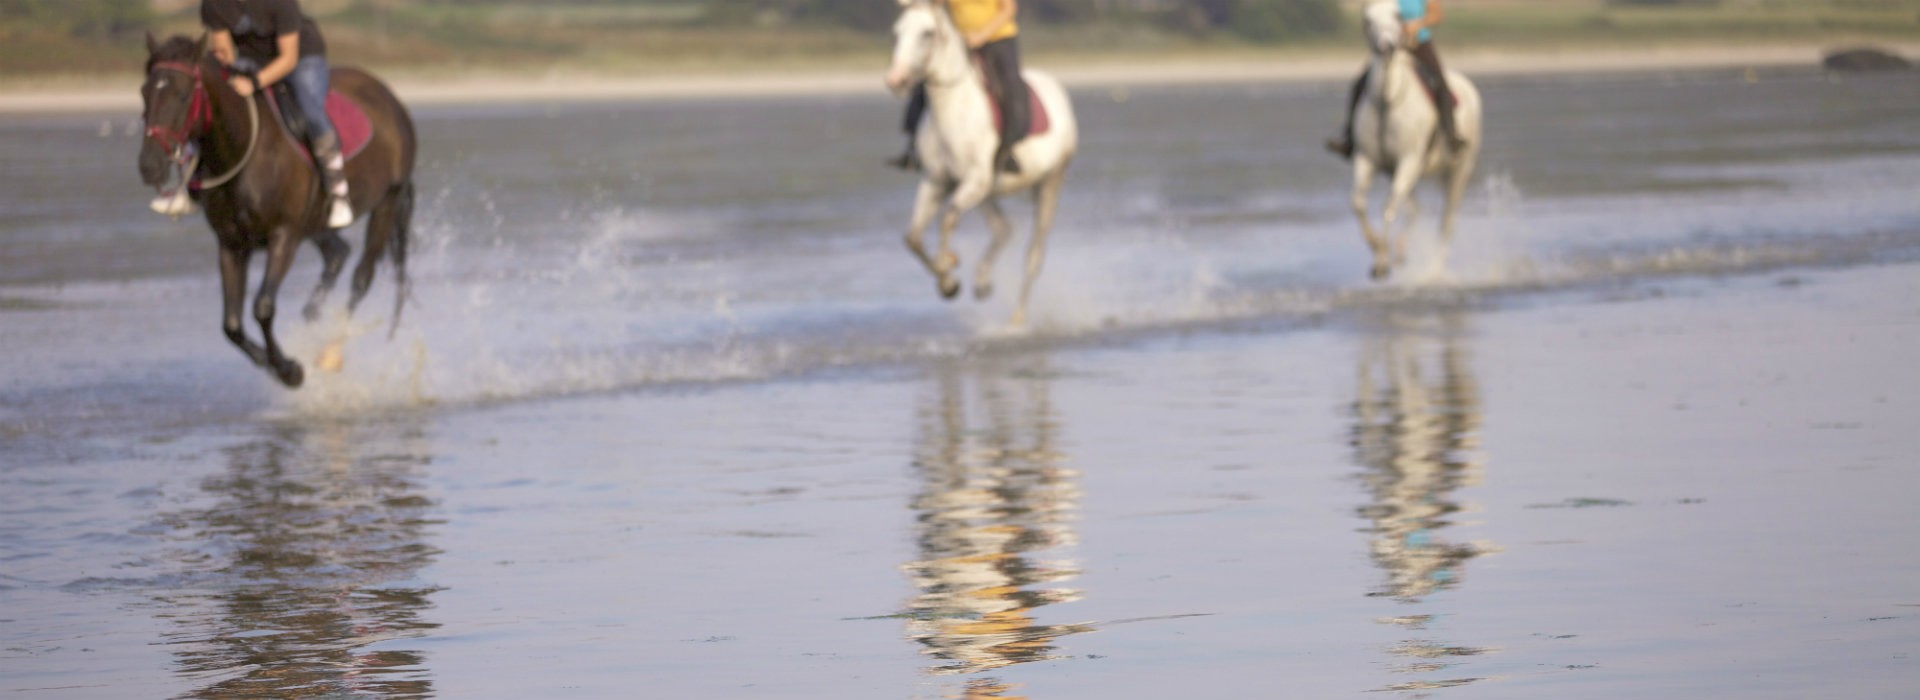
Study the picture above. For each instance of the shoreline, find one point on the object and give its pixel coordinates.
(93, 94)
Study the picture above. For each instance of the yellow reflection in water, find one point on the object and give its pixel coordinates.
(995, 494)
(1417, 417)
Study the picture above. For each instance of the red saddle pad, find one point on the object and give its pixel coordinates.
(349, 121)
(1037, 121)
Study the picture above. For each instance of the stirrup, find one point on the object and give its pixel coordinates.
(339, 213)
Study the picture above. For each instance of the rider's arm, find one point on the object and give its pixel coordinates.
(1432, 19)
(282, 64)
(1008, 9)
(222, 46)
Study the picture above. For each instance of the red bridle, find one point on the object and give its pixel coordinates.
(199, 112)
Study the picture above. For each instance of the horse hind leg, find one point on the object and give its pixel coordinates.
(1046, 200)
(389, 225)
(402, 240)
(1002, 232)
(333, 251)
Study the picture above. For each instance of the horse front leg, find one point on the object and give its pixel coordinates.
(926, 204)
(971, 192)
(333, 253)
(1002, 232)
(1404, 180)
(1363, 173)
(233, 295)
(280, 249)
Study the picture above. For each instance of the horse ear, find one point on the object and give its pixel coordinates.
(153, 45)
(200, 47)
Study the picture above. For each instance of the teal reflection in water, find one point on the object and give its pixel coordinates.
(996, 494)
(1417, 417)
(305, 562)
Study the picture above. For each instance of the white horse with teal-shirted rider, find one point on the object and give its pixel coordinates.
(1396, 131)
(956, 147)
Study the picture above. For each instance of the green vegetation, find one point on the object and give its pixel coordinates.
(663, 36)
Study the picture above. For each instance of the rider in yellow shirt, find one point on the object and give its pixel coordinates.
(991, 33)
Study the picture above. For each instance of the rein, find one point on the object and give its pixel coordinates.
(199, 119)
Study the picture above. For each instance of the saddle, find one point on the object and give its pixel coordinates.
(1037, 121)
(349, 120)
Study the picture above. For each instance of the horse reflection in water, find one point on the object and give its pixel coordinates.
(1417, 425)
(304, 560)
(996, 492)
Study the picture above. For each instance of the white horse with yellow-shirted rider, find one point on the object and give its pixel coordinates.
(957, 148)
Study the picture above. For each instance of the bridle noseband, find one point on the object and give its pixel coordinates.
(198, 121)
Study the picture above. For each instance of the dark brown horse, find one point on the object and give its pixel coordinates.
(262, 191)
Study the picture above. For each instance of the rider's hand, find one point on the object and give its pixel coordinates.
(1410, 35)
(976, 40)
(242, 84)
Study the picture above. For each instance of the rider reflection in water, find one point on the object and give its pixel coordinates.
(996, 494)
(992, 35)
(1418, 18)
(266, 41)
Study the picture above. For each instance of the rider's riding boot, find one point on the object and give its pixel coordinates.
(908, 160)
(1447, 127)
(1004, 160)
(1342, 145)
(333, 172)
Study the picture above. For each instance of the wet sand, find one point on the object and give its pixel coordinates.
(1681, 488)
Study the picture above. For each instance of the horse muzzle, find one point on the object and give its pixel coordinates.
(898, 80)
(155, 166)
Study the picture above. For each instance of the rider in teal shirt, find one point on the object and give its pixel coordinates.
(1417, 17)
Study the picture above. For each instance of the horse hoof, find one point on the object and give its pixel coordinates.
(982, 291)
(1379, 272)
(291, 375)
(311, 312)
(949, 288)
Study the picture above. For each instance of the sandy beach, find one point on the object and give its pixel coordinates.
(82, 94)
(672, 413)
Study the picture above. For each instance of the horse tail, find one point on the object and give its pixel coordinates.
(402, 225)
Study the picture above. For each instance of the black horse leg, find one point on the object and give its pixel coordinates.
(380, 232)
(333, 253)
(388, 228)
(233, 292)
(279, 259)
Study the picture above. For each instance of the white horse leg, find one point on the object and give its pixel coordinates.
(1046, 198)
(926, 203)
(945, 266)
(1404, 181)
(1002, 232)
(1457, 179)
(1363, 172)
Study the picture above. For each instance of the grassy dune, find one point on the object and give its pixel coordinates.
(666, 38)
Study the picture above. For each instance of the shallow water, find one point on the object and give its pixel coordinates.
(673, 411)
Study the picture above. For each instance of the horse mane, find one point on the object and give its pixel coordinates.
(176, 49)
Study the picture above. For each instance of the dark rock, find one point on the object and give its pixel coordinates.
(1864, 60)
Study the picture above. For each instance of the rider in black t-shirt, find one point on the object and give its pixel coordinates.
(267, 41)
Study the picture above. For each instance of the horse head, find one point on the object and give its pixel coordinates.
(175, 105)
(1380, 25)
(918, 35)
